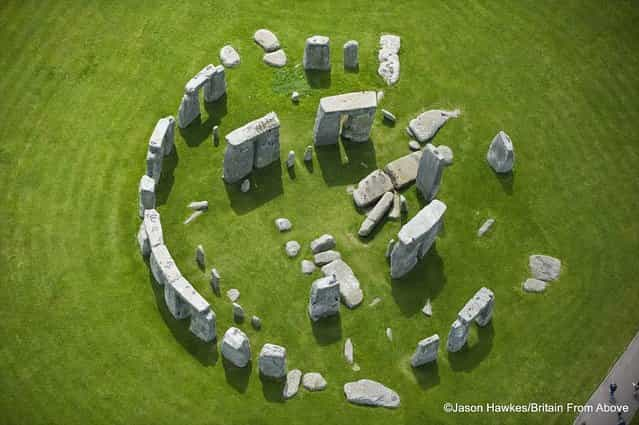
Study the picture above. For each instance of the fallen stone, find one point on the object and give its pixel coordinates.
(193, 216)
(323, 243)
(351, 54)
(229, 56)
(371, 393)
(238, 313)
(428, 123)
(426, 351)
(371, 188)
(295, 97)
(375, 301)
(236, 347)
(389, 334)
(403, 171)
(376, 215)
(292, 385)
(308, 154)
(534, 285)
(389, 116)
(414, 145)
(283, 224)
(215, 282)
(233, 294)
(324, 298)
(348, 351)
(349, 289)
(292, 248)
(200, 256)
(396, 210)
(317, 55)
(485, 227)
(308, 267)
(428, 308)
(429, 173)
(389, 69)
(325, 257)
(446, 153)
(276, 59)
(245, 186)
(290, 160)
(403, 204)
(267, 40)
(199, 205)
(272, 361)
(543, 267)
(390, 41)
(256, 322)
(313, 381)
(501, 154)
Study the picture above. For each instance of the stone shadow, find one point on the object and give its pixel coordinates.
(507, 181)
(426, 280)
(167, 179)
(237, 377)
(266, 184)
(205, 352)
(272, 389)
(469, 357)
(352, 70)
(427, 376)
(318, 79)
(336, 173)
(198, 131)
(327, 330)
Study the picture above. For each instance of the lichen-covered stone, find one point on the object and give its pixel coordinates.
(426, 351)
(272, 361)
(544, 267)
(429, 173)
(236, 347)
(349, 289)
(426, 125)
(371, 188)
(324, 298)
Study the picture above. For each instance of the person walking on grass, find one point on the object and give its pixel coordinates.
(613, 388)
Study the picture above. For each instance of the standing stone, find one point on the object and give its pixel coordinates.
(154, 166)
(376, 215)
(229, 56)
(324, 298)
(200, 257)
(534, 285)
(485, 227)
(389, 334)
(163, 136)
(427, 124)
(163, 266)
(426, 351)
(292, 385)
(349, 288)
(215, 281)
(256, 322)
(371, 188)
(292, 248)
(150, 234)
(233, 294)
(308, 267)
(283, 224)
(428, 308)
(238, 313)
(189, 109)
(176, 305)
(447, 154)
(479, 309)
(290, 160)
(308, 154)
(245, 186)
(199, 205)
(236, 347)
(146, 195)
(203, 325)
(416, 237)
(295, 97)
(359, 109)
(313, 381)
(275, 59)
(501, 154)
(212, 81)
(216, 87)
(348, 351)
(351, 55)
(317, 55)
(216, 135)
(323, 243)
(325, 257)
(544, 267)
(267, 40)
(403, 204)
(396, 210)
(272, 361)
(371, 393)
(429, 173)
(457, 336)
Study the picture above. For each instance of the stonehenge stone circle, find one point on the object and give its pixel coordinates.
(388, 57)
(534, 285)
(403, 171)
(283, 224)
(544, 267)
(323, 243)
(429, 173)
(325, 257)
(308, 267)
(501, 154)
(317, 54)
(426, 351)
(146, 195)
(371, 393)
(377, 214)
(292, 385)
(427, 124)
(163, 267)
(359, 109)
(229, 56)
(256, 144)
(351, 55)
(276, 59)
(349, 290)
(272, 361)
(371, 188)
(485, 227)
(211, 79)
(266, 40)
(313, 381)
(479, 309)
(163, 137)
(292, 248)
(416, 237)
(236, 347)
(324, 298)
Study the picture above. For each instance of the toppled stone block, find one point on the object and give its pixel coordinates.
(324, 298)
(366, 392)
(236, 347)
(275, 59)
(457, 336)
(501, 154)
(376, 215)
(371, 188)
(229, 56)
(359, 109)
(351, 55)
(534, 285)
(199, 205)
(317, 54)
(426, 351)
(146, 195)
(349, 289)
(429, 173)
(313, 381)
(323, 243)
(272, 361)
(426, 125)
(292, 385)
(485, 227)
(266, 40)
(325, 257)
(403, 171)
(388, 56)
(544, 267)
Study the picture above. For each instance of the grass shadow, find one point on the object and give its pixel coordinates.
(427, 376)
(167, 179)
(327, 330)
(309, 166)
(198, 131)
(318, 79)
(469, 357)
(237, 377)
(426, 280)
(337, 173)
(291, 172)
(266, 184)
(507, 181)
(272, 389)
(205, 352)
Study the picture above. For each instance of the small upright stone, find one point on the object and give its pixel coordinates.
(292, 385)
(267, 40)
(272, 361)
(216, 135)
(308, 154)
(276, 59)
(426, 351)
(324, 298)
(351, 55)
(501, 154)
(245, 186)
(389, 334)
(238, 313)
(403, 204)
(200, 256)
(229, 56)
(376, 215)
(256, 322)
(428, 308)
(290, 160)
(283, 224)
(292, 248)
(146, 192)
(233, 294)
(215, 281)
(389, 116)
(348, 351)
(485, 227)
(313, 381)
(236, 347)
(295, 97)
(317, 54)
(323, 243)
(544, 267)
(308, 267)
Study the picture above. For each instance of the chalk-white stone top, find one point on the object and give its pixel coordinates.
(318, 40)
(477, 303)
(422, 222)
(349, 101)
(253, 129)
(190, 295)
(200, 79)
(156, 142)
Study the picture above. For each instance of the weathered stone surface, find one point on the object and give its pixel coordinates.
(317, 54)
(313, 381)
(295, 97)
(308, 267)
(308, 154)
(429, 173)
(272, 361)
(189, 109)
(267, 40)
(376, 215)
(229, 56)
(233, 294)
(480, 309)
(256, 322)
(403, 171)
(416, 237)
(389, 116)
(323, 243)
(428, 308)
(203, 325)
(238, 313)
(349, 289)
(211, 79)
(389, 68)
(215, 281)
(371, 393)
(150, 234)
(403, 204)
(543, 267)
(501, 154)
(426, 351)
(154, 166)
(146, 195)
(414, 146)
(446, 153)
(371, 188)
(351, 54)
(390, 41)
(389, 334)
(457, 336)
(292, 248)
(427, 124)
(163, 267)
(359, 108)
(216, 135)
(193, 216)
(348, 351)
(200, 256)
(534, 285)
(292, 385)
(163, 136)
(276, 59)
(176, 305)
(183, 300)
(216, 87)
(485, 227)
(290, 160)
(325, 257)
(324, 298)
(283, 224)
(245, 186)
(396, 210)
(236, 347)
(199, 205)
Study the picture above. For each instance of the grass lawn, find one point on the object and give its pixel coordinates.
(85, 337)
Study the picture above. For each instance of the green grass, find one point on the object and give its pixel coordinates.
(84, 334)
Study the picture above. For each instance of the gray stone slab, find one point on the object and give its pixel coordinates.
(272, 361)
(317, 54)
(236, 347)
(426, 125)
(501, 153)
(426, 351)
(163, 267)
(534, 285)
(403, 171)
(266, 40)
(324, 298)
(429, 172)
(325, 257)
(544, 267)
(275, 59)
(377, 214)
(371, 188)
(349, 287)
(367, 392)
(351, 55)
(323, 243)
